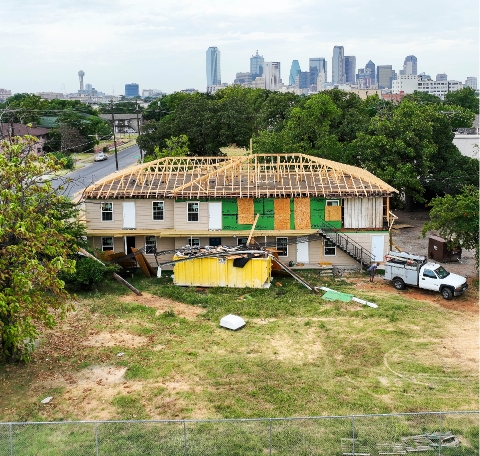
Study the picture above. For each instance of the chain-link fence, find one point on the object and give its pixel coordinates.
(434, 433)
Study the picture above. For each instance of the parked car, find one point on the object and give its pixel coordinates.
(100, 157)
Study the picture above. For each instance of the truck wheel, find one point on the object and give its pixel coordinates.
(398, 283)
(447, 293)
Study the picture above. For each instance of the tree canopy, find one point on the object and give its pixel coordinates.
(38, 234)
(456, 219)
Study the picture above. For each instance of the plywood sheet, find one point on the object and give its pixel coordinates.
(245, 211)
(333, 213)
(302, 213)
(281, 214)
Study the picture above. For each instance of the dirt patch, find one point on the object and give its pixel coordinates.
(407, 234)
(120, 338)
(164, 305)
(466, 303)
(458, 347)
(101, 374)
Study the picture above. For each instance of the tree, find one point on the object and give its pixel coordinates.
(466, 98)
(38, 233)
(398, 148)
(176, 146)
(456, 219)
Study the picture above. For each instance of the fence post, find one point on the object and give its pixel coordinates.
(270, 437)
(11, 439)
(96, 438)
(185, 437)
(353, 434)
(440, 433)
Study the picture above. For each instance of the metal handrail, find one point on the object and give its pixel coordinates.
(346, 243)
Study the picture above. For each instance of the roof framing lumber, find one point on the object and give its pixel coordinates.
(244, 176)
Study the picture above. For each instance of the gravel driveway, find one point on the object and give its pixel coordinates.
(410, 239)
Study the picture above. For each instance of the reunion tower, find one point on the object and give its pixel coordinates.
(81, 74)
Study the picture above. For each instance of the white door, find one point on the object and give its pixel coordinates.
(214, 216)
(378, 242)
(129, 214)
(302, 251)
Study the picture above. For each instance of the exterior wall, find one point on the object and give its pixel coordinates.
(93, 215)
(406, 83)
(363, 213)
(144, 214)
(118, 243)
(180, 216)
(358, 213)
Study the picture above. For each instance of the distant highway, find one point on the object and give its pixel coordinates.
(92, 172)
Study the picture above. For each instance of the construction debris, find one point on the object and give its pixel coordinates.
(115, 275)
(330, 295)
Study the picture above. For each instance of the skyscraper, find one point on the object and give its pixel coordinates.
(317, 66)
(385, 75)
(338, 65)
(370, 78)
(271, 73)
(294, 70)
(256, 66)
(409, 65)
(350, 69)
(213, 66)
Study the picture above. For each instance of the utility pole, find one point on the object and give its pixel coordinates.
(138, 128)
(114, 137)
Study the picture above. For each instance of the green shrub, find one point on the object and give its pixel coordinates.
(89, 273)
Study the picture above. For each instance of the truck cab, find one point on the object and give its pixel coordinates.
(407, 269)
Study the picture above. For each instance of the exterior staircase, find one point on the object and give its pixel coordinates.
(346, 244)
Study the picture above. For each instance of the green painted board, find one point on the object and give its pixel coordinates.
(265, 222)
(292, 214)
(337, 296)
(317, 214)
(229, 206)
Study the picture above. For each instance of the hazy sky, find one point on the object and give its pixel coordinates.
(161, 44)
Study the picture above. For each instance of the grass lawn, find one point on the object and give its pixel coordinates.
(164, 356)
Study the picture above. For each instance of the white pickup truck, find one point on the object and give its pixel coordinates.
(406, 269)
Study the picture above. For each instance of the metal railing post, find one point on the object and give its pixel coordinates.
(440, 434)
(96, 439)
(353, 434)
(11, 439)
(185, 437)
(270, 437)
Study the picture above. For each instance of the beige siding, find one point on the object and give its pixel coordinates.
(363, 213)
(93, 214)
(144, 215)
(118, 243)
(180, 217)
(291, 249)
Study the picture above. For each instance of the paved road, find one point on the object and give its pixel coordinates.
(90, 173)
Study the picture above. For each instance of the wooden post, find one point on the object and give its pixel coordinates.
(251, 231)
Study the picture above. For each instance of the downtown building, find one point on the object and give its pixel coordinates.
(213, 67)
(410, 83)
(338, 65)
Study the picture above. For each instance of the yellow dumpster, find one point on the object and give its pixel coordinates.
(220, 272)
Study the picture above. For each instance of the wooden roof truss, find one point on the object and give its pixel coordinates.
(246, 176)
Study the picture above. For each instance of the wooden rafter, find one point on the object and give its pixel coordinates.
(246, 176)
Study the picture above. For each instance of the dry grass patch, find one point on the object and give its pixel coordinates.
(164, 305)
(114, 339)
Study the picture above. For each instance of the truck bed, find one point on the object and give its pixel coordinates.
(408, 273)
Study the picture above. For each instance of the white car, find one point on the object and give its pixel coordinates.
(100, 157)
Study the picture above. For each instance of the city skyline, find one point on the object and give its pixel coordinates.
(45, 43)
